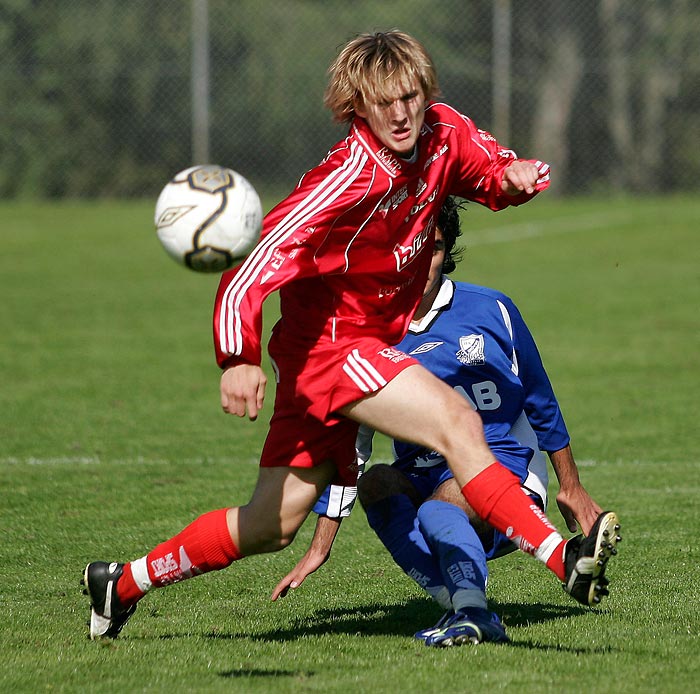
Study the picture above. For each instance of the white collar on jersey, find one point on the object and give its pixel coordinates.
(442, 300)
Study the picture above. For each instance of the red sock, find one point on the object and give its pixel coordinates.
(127, 590)
(496, 496)
(204, 545)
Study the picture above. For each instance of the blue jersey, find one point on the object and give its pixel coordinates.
(475, 340)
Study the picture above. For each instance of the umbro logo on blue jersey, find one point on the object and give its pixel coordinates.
(426, 347)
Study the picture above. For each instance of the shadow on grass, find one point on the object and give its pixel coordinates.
(257, 673)
(516, 614)
(392, 620)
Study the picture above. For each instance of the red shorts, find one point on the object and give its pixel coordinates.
(306, 429)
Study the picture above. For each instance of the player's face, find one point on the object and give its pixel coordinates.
(397, 122)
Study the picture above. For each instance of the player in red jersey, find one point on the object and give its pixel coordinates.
(349, 251)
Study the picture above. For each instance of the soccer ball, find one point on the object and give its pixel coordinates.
(208, 218)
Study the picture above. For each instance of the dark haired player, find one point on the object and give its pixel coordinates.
(476, 341)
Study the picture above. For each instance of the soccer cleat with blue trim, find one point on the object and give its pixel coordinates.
(423, 634)
(586, 559)
(107, 615)
(473, 625)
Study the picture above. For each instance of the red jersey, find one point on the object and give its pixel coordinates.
(349, 249)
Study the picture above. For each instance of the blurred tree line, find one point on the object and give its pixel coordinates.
(96, 94)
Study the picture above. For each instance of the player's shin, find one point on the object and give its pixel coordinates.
(394, 521)
(496, 496)
(459, 551)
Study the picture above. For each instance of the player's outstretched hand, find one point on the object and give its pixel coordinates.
(243, 389)
(576, 504)
(315, 557)
(306, 565)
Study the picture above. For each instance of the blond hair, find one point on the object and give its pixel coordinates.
(376, 68)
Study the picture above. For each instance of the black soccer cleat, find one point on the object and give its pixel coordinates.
(107, 615)
(586, 559)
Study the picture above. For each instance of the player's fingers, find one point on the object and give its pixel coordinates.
(570, 520)
(281, 589)
(232, 405)
(261, 393)
(514, 184)
(567, 513)
(285, 585)
(526, 179)
(522, 176)
(252, 405)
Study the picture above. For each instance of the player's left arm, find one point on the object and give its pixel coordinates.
(335, 503)
(574, 502)
(315, 557)
(540, 403)
(494, 175)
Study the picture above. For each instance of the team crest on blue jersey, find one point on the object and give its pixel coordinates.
(471, 350)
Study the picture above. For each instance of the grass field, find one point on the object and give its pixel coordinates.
(112, 439)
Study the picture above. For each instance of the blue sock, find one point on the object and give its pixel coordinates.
(457, 548)
(395, 522)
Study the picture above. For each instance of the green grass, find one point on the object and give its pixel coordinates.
(112, 439)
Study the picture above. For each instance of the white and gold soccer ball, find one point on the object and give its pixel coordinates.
(208, 218)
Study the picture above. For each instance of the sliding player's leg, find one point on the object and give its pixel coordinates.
(417, 406)
(460, 554)
(391, 504)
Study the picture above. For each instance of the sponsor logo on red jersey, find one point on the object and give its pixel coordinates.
(405, 255)
(444, 149)
(389, 160)
(393, 354)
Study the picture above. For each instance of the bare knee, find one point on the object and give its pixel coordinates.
(459, 437)
(281, 502)
(461, 427)
(382, 481)
(450, 493)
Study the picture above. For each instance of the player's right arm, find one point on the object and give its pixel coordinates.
(317, 555)
(293, 232)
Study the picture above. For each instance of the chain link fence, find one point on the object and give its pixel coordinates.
(111, 97)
